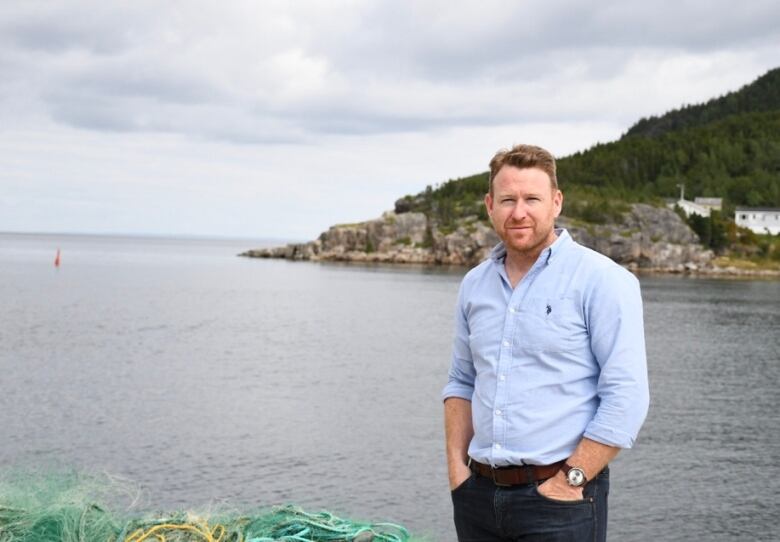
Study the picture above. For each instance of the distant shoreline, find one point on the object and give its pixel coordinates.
(729, 272)
(717, 272)
(270, 241)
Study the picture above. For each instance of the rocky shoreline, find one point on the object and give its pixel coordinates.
(648, 239)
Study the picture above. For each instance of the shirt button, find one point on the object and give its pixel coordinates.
(497, 445)
(502, 377)
(506, 343)
(498, 412)
(511, 309)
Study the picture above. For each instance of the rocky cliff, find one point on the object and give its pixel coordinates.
(648, 237)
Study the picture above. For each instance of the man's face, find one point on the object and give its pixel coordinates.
(523, 208)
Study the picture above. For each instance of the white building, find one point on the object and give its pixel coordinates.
(699, 206)
(713, 204)
(691, 208)
(758, 219)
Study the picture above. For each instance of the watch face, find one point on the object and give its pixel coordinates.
(575, 477)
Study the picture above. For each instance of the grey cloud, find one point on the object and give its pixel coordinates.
(130, 113)
(96, 112)
(50, 37)
(510, 63)
(368, 123)
(391, 38)
(349, 119)
(156, 82)
(695, 26)
(95, 28)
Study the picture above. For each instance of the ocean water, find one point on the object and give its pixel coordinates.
(211, 380)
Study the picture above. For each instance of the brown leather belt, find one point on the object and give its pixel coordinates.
(513, 476)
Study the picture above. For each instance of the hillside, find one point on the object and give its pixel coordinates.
(728, 147)
(761, 95)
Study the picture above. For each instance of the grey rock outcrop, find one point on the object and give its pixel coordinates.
(647, 238)
(652, 238)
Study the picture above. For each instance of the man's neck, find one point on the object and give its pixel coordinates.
(518, 263)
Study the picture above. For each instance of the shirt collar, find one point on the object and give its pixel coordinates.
(498, 254)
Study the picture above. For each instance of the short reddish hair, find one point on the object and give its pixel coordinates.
(524, 156)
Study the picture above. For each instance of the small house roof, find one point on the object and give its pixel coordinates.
(757, 210)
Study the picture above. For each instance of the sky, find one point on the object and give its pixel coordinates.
(278, 119)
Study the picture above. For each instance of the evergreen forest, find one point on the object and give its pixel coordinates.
(728, 147)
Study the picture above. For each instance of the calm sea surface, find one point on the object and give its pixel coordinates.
(209, 379)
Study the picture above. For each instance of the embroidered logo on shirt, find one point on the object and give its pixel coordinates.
(549, 309)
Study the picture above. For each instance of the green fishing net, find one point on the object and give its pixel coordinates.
(73, 508)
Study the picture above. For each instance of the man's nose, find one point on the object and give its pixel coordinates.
(519, 212)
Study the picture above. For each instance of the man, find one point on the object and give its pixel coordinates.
(548, 378)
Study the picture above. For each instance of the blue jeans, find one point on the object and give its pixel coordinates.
(485, 512)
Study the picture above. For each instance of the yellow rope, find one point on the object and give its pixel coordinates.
(209, 535)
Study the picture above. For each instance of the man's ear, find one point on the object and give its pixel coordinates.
(558, 202)
(489, 204)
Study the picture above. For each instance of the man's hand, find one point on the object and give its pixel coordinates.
(590, 456)
(557, 488)
(458, 430)
(459, 473)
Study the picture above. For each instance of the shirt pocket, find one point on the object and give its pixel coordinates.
(550, 324)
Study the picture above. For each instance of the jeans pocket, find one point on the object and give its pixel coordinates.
(599, 486)
(462, 485)
(544, 498)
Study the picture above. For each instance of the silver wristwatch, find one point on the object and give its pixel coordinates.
(575, 476)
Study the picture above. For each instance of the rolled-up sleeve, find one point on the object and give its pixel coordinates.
(461, 374)
(615, 324)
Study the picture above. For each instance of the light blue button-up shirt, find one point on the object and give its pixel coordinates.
(559, 357)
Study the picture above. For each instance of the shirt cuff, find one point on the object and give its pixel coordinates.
(455, 389)
(609, 436)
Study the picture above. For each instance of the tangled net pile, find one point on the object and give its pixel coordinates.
(64, 515)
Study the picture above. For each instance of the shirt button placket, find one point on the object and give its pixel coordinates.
(504, 362)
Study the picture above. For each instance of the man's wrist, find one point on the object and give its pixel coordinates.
(458, 473)
(458, 464)
(459, 460)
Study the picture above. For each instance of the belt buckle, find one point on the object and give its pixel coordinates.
(496, 482)
(530, 474)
